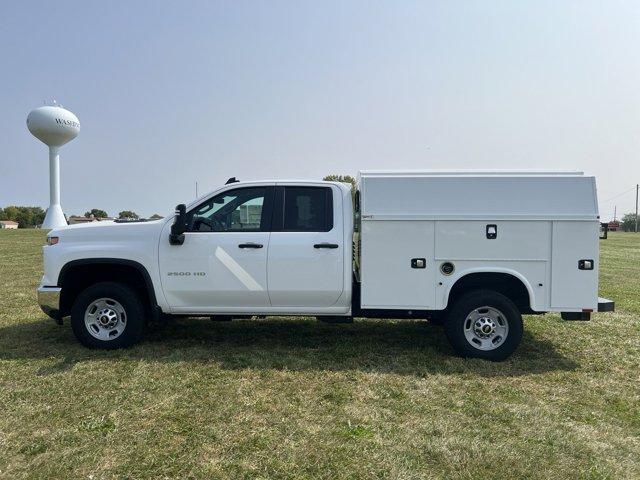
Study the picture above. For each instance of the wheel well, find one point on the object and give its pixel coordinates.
(77, 275)
(508, 285)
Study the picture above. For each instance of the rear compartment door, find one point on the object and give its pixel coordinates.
(572, 287)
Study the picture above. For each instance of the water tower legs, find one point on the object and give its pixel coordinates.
(54, 217)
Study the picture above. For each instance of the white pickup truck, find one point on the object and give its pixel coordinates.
(471, 250)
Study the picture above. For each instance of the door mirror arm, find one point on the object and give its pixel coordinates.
(176, 237)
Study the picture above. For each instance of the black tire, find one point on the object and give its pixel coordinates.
(438, 318)
(133, 319)
(460, 320)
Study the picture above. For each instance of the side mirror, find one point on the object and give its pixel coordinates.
(176, 237)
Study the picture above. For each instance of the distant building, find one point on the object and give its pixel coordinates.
(8, 224)
(614, 226)
(74, 220)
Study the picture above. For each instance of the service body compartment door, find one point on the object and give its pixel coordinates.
(574, 287)
(389, 280)
(513, 241)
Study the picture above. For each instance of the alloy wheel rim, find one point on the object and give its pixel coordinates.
(486, 328)
(105, 319)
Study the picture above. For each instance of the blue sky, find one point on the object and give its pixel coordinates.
(170, 93)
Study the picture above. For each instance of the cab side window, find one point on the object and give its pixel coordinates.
(308, 209)
(240, 210)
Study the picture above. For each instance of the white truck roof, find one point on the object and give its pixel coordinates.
(500, 195)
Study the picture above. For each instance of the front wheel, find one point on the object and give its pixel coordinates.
(108, 315)
(484, 324)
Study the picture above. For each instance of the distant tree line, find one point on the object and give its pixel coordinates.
(27, 217)
(628, 223)
(343, 179)
(31, 217)
(96, 213)
(128, 215)
(123, 215)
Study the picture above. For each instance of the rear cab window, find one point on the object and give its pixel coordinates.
(304, 209)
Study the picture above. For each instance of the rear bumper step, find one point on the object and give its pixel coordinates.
(604, 305)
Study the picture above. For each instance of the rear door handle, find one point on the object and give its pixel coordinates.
(250, 245)
(326, 245)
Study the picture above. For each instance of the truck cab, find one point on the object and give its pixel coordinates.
(472, 251)
(262, 248)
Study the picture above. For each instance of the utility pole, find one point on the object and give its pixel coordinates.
(615, 211)
(196, 189)
(637, 186)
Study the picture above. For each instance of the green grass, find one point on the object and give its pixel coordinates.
(290, 398)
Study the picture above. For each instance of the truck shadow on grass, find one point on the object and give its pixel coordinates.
(401, 347)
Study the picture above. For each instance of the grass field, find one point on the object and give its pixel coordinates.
(290, 398)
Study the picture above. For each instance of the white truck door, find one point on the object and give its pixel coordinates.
(223, 261)
(306, 251)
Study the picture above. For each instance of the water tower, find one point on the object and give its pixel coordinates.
(54, 126)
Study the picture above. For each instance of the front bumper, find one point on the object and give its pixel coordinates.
(49, 301)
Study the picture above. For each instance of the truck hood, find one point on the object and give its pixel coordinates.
(104, 230)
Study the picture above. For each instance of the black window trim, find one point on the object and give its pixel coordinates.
(277, 225)
(267, 209)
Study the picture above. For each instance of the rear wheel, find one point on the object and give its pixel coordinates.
(108, 315)
(484, 324)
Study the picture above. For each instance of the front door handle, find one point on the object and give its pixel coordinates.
(326, 245)
(250, 245)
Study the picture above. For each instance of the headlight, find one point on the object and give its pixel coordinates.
(52, 240)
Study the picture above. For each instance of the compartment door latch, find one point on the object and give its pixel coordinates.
(585, 264)
(418, 263)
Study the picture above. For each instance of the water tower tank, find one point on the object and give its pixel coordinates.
(54, 126)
